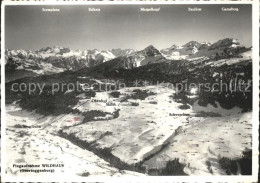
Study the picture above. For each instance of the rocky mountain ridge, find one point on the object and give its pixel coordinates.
(57, 59)
(194, 49)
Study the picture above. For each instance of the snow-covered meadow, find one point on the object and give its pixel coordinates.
(153, 132)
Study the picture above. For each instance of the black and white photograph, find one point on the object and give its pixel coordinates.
(142, 90)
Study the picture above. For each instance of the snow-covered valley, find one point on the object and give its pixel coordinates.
(36, 145)
(143, 133)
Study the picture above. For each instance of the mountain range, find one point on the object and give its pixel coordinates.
(49, 60)
(224, 61)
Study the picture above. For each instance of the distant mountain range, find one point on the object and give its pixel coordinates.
(194, 49)
(203, 63)
(49, 60)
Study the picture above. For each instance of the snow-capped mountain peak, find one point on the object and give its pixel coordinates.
(195, 49)
(150, 51)
(174, 46)
(122, 52)
(55, 59)
(58, 59)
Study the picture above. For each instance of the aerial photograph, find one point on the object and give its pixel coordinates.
(128, 90)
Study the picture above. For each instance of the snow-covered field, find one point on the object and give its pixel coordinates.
(138, 133)
(138, 130)
(38, 145)
(207, 140)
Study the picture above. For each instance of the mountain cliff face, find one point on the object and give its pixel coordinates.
(52, 60)
(194, 49)
(60, 57)
(185, 51)
(146, 56)
(119, 52)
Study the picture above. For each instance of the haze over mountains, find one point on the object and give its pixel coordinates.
(49, 60)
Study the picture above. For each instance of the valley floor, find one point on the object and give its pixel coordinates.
(40, 146)
(149, 133)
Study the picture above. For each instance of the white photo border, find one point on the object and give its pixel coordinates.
(255, 135)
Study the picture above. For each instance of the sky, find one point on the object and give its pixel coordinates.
(119, 26)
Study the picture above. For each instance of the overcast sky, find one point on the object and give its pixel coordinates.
(121, 26)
